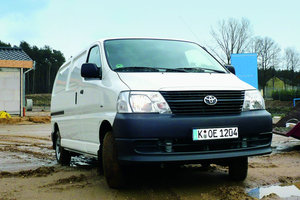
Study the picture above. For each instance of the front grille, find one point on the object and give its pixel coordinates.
(192, 102)
(208, 146)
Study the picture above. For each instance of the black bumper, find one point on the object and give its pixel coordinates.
(147, 138)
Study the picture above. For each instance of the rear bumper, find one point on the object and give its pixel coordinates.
(152, 138)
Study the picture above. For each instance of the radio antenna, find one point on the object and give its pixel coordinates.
(189, 28)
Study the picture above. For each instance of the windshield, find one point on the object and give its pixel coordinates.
(155, 55)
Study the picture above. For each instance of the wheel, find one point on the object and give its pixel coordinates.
(205, 166)
(238, 168)
(172, 166)
(63, 157)
(100, 160)
(111, 168)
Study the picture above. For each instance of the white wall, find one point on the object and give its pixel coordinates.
(10, 90)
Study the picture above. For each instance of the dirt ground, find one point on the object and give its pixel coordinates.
(28, 170)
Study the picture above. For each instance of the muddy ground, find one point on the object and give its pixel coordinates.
(28, 170)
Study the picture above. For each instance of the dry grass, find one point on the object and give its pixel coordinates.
(26, 120)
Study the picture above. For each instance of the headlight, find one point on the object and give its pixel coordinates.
(253, 101)
(123, 103)
(142, 102)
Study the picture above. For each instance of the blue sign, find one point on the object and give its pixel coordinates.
(245, 65)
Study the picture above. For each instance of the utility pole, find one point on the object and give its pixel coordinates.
(24, 75)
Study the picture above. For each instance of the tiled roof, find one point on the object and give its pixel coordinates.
(13, 53)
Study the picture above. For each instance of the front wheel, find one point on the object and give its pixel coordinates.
(238, 168)
(112, 169)
(63, 157)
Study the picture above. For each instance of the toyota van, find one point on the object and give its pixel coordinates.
(131, 101)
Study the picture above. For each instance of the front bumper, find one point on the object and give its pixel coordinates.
(152, 138)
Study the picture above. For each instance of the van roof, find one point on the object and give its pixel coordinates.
(153, 38)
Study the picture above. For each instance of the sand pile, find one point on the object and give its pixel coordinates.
(26, 120)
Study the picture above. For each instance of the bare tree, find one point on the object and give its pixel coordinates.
(292, 59)
(268, 56)
(268, 53)
(231, 36)
(255, 45)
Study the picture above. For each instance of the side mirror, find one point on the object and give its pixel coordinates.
(90, 70)
(230, 68)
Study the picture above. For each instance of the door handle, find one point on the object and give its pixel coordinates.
(75, 97)
(81, 91)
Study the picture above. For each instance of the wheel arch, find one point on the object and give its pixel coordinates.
(104, 127)
(54, 134)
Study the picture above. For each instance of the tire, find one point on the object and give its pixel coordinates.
(100, 160)
(111, 168)
(63, 157)
(238, 168)
(205, 166)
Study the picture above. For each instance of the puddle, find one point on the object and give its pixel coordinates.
(21, 153)
(286, 147)
(16, 161)
(286, 192)
(82, 161)
(284, 144)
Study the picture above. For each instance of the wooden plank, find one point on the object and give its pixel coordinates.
(280, 133)
(16, 63)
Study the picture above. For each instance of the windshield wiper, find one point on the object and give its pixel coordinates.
(148, 69)
(136, 68)
(172, 69)
(202, 69)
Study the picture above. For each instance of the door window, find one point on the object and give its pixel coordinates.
(94, 56)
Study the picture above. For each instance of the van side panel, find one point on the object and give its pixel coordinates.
(57, 99)
(65, 102)
(97, 103)
(71, 120)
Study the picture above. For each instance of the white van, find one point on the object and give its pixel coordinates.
(156, 101)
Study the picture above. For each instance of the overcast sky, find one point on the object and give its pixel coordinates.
(71, 25)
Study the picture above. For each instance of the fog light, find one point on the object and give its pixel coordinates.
(168, 146)
(244, 143)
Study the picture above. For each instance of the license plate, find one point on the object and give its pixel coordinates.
(215, 133)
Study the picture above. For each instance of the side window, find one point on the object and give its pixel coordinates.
(94, 56)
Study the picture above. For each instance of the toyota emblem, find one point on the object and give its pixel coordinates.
(210, 100)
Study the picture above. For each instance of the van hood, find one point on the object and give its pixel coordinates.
(183, 81)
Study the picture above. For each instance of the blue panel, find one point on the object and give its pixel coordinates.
(245, 65)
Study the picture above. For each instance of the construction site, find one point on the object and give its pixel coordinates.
(171, 100)
(29, 170)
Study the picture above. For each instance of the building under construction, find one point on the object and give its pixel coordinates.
(13, 63)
